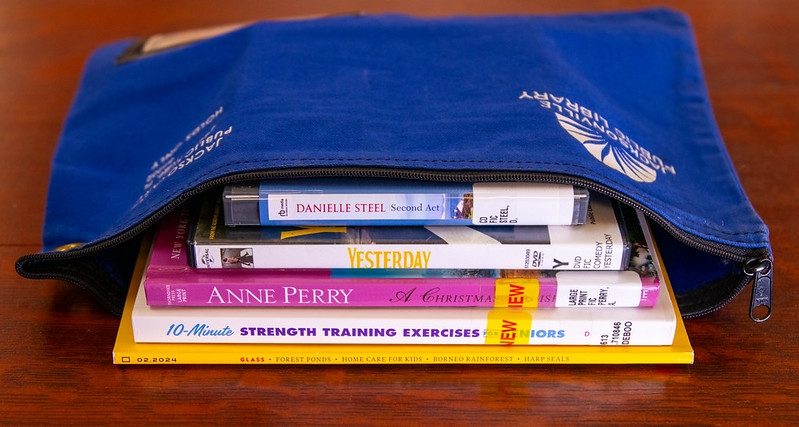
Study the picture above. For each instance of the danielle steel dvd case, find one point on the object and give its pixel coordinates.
(599, 244)
(341, 201)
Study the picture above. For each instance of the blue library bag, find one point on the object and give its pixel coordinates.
(615, 102)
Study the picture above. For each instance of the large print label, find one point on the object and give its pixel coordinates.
(599, 289)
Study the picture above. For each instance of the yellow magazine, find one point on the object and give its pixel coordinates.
(128, 352)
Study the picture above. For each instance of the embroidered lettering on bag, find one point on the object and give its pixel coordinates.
(606, 143)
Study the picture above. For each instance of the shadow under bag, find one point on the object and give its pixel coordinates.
(615, 102)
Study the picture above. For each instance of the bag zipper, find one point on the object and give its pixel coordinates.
(761, 271)
(757, 263)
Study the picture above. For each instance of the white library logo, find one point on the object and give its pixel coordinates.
(607, 144)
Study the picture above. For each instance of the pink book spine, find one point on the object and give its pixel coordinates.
(169, 281)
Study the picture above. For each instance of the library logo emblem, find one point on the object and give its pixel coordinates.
(607, 144)
(606, 151)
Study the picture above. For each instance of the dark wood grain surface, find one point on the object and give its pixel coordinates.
(55, 356)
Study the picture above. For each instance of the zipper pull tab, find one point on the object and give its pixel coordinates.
(762, 272)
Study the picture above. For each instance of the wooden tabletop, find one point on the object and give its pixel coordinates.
(55, 357)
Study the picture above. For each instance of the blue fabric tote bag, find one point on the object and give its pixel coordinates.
(615, 102)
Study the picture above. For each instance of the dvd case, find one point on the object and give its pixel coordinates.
(599, 244)
(340, 201)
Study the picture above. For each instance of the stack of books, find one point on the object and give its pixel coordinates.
(386, 272)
